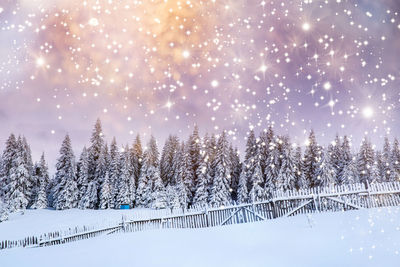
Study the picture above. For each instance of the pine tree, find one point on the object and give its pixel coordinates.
(395, 159)
(143, 193)
(172, 197)
(326, 172)
(97, 143)
(41, 201)
(131, 180)
(167, 170)
(66, 194)
(83, 175)
(33, 183)
(211, 147)
(42, 173)
(334, 150)
(159, 197)
(90, 198)
(3, 211)
(301, 181)
(193, 146)
(345, 158)
(9, 155)
(184, 173)
(2, 182)
(242, 195)
(122, 186)
(375, 175)
(272, 168)
(387, 164)
(137, 158)
(266, 139)
(150, 170)
(365, 162)
(251, 157)
(50, 191)
(350, 173)
(126, 182)
(287, 172)
(114, 170)
(183, 191)
(236, 168)
(27, 154)
(94, 173)
(380, 167)
(346, 155)
(257, 192)
(106, 194)
(151, 156)
(177, 163)
(251, 147)
(18, 188)
(1, 179)
(220, 193)
(36, 185)
(201, 194)
(102, 164)
(312, 158)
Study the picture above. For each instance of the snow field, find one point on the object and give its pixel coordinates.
(369, 237)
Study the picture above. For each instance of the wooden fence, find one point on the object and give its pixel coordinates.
(281, 204)
(56, 237)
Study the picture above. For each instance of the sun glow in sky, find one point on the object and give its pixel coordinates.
(306, 26)
(368, 112)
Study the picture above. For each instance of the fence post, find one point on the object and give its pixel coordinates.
(369, 195)
(123, 224)
(274, 213)
(207, 216)
(315, 202)
(252, 209)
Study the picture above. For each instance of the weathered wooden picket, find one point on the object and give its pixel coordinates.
(281, 203)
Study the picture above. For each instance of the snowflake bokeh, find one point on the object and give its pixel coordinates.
(161, 66)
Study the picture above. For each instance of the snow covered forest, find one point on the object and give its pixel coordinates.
(200, 171)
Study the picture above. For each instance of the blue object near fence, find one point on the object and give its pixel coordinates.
(124, 207)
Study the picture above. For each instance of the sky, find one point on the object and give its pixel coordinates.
(162, 66)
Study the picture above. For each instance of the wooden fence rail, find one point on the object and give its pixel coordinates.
(281, 203)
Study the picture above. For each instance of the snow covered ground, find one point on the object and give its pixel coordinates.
(37, 222)
(355, 238)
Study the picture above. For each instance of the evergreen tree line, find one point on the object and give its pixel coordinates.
(199, 171)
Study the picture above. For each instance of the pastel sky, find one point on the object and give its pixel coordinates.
(160, 67)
